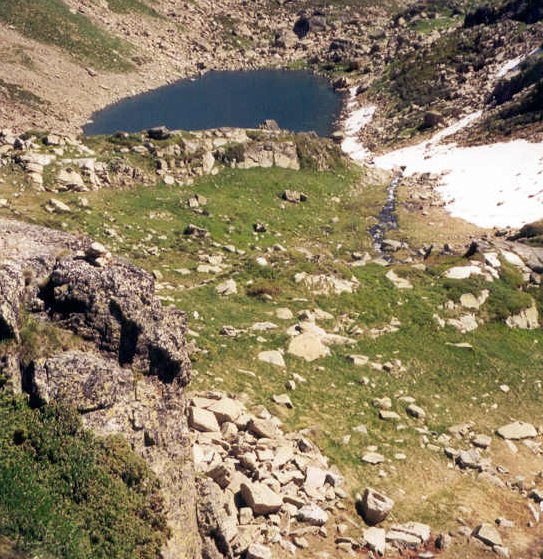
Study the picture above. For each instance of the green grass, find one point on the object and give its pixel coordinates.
(51, 22)
(64, 493)
(132, 6)
(426, 26)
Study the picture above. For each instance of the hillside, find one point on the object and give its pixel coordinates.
(245, 342)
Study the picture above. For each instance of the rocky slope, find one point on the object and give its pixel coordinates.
(56, 80)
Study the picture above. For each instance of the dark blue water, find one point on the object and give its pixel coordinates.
(298, 101)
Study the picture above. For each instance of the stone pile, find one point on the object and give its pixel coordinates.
(273, 489)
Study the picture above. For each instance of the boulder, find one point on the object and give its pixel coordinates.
(373, 458)
(226, 409)
(228, 287)
(159, 133)
(115, 307)
(273, 357)
(432, 119)
(260, 498)
(285, 39)
(58, 206)
(375, 539)
(80, 379)
(258, 551)
(527, 319)
(517, 430)
(313, 515)
(264, 428)
(408, 535)
(415, 411)
(217, 522)
(315, 477)
(488, 534)
(12, 289)
(203, 420)
(308, 346)
(374, 506)
(71, 180)
(283, 400)
(293, 196)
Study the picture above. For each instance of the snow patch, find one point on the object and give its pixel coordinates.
(358, 118)
(496, 185)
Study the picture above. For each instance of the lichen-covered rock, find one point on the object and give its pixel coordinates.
(11, 299)
(55, 278)
(217, 520)
(86, 381)
(115, 307)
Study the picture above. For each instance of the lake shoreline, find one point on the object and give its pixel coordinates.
(299, 100)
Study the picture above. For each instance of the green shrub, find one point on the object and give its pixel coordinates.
(69, 494)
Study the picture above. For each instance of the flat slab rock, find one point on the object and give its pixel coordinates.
(488, 534)
(203, 420)
(517, 430)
